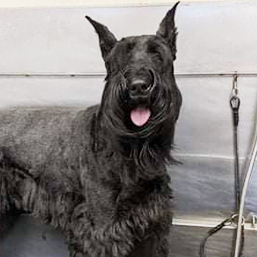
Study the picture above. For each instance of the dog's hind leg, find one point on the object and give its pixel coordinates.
(7, 220)
(8, 211)
(12, 182)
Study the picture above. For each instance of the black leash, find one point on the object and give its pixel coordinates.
(212, 231)
(234, 104)
(227, 222)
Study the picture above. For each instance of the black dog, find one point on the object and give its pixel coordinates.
(99, 174)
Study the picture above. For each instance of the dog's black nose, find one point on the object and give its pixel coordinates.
(139, 87)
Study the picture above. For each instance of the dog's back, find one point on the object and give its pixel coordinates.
(39, 137)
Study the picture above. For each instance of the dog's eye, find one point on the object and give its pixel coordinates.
(157, 57)
(154, 51)
(130, 47)
(152, 48)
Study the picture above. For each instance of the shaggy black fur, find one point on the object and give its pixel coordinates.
(94, 173)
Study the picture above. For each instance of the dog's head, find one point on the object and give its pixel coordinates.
(141, 99)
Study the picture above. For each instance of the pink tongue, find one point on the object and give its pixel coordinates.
(140, 116)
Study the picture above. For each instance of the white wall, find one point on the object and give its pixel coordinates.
(213, 37)
(91, 3)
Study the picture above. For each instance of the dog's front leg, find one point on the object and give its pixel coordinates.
(145, 248)
(118, 237)
(129, 236)
(112, 240)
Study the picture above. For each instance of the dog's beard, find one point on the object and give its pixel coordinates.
(149, 144)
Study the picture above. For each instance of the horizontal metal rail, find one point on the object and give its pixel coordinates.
(103, 74)
(208, 223)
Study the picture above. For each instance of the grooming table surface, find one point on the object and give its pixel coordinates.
(29, 238)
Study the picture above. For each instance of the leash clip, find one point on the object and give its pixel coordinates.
(234, 219)
(234, 99)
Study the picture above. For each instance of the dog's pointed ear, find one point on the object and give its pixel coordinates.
(168, 31)
(106, 39)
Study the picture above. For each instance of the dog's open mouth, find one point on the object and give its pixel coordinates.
(140, 116)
